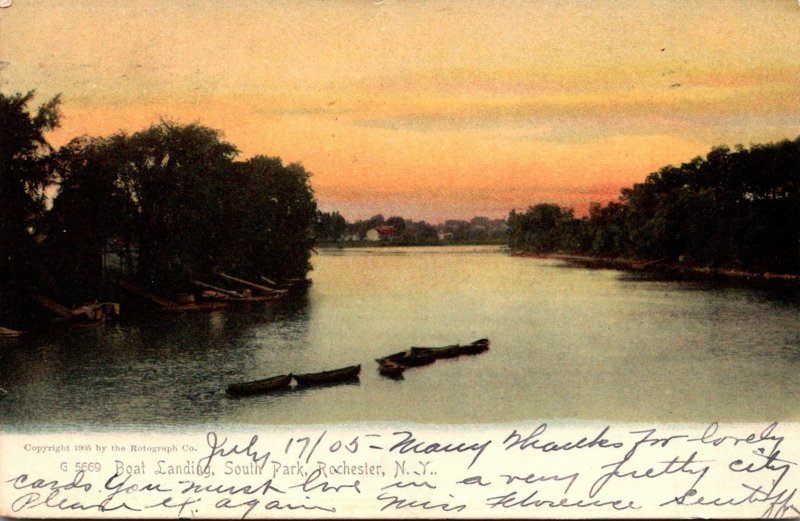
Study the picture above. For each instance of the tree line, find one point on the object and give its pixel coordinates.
(736, 209)
(171, 201)
(332, 227)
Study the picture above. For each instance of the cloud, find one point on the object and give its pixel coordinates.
(566, 109)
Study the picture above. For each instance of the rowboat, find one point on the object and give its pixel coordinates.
(287, 284)
(452, 351)
(478, 346)
(327, 377)
(10, 333)
(211, 297)
(170, 306)
(409, 358)
(218, 294)
(202, 306)
(275, 383)
(439, 352)
(396, 357)
(391, 369)
(82, 323)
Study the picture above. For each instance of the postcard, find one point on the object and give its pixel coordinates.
(382, 259)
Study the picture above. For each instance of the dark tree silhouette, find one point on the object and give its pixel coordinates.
(24, 173)
(732, 209)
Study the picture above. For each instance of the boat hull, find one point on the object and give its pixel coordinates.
(328, 377)
(267, 385)
(391, 369)
(409, 359)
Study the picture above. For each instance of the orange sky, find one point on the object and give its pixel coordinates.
(429, 109)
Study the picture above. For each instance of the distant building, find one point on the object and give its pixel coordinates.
(382, 233)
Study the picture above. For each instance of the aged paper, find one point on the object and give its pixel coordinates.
(533, 470)
(603, 394)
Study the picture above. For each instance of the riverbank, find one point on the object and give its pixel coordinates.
(660, 266)
(401, 244)
(40, 314)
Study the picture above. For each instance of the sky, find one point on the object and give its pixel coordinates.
(426, 109)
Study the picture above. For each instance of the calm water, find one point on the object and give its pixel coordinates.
(566, 343)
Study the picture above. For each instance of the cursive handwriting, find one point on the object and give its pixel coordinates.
(711, 471)
(513, 500)
(533, 478)
(676, 465)
(220, 448)
(409, 444)
(533, 442)
(710, 437)
(400, 503)
(314, 483)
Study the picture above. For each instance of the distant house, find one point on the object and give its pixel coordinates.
(382, 233)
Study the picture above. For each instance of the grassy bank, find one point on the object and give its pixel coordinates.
(660, 266)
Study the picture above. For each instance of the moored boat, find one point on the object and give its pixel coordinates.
(478, 346)
(453, 351)
(287, 284)
(396, 357)
(10, 333)
(185, 302)
(211, 296)
(391, 369)
(327, 377)
(409, 358)
(439, 352)
(218, 294)
(275, 383)
(202, 306)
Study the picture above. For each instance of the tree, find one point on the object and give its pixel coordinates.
(160, 189)
(273, 212)
(398, 223)
(542, 228)
(24, 173)
(737, 209)
(93, 208)
(331, 226)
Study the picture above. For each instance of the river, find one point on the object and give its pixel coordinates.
(567, 343)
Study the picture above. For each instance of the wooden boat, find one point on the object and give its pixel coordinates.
(396, 357)
(297, 283)
(439, 352)
(263, 290)
(212, 296)
(327, 377)
(267, 385)
(478, 346)
(170, 306)
(218, 294)
(202, 306)
(391, 369)
(10, 333)
(288, 284)
(82, 323)
(409, 358)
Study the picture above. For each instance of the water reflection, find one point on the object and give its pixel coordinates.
(566, 343)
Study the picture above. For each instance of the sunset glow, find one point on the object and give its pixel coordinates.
(429, 110)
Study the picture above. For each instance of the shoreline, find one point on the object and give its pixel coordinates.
(660, 266)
